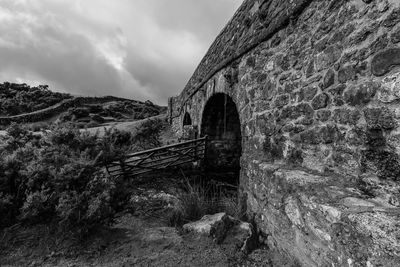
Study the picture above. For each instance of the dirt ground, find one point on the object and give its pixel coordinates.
(140, 236)
(130, 242)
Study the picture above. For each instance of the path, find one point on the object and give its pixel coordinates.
(127, 125)
(63, 102)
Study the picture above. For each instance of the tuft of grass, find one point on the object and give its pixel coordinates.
(202, 198)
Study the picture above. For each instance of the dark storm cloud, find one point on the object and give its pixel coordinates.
(143, 49)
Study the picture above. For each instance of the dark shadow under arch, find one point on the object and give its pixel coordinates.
(187, 120)
(221, 123)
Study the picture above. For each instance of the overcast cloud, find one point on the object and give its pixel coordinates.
(140, 49)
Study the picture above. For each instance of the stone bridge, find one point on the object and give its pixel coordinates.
(302, 99)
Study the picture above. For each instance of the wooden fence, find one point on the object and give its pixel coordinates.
(159, 158)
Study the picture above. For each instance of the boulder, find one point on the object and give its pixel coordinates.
(210, 225)
(234, 235)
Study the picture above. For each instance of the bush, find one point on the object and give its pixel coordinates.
(38, 126)
(20, 98)
(79, 113)
(98, 118)
(147, 136)
(57, 178)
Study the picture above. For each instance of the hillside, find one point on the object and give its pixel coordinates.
(21, 103)
(17, 99)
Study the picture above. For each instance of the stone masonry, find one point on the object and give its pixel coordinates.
(316, 86)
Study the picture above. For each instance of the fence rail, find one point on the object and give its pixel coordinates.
(159, 158)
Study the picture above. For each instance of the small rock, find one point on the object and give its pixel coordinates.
(293, 212)
(332, 213)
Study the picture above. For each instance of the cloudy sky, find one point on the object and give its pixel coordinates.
(141, 49)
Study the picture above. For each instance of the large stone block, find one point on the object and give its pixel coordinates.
(323, 115)
(282, 100)
(348, 73)
(307, 93)
(327, 58)
(360, 95)
(380, 118)
(392, 19)
(320, 101)
(329, 79)
(395, 36)
(384, 61)
(346, 116)
(390, 89)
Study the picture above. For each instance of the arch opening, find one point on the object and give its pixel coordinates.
(221, 123)
(187, 120)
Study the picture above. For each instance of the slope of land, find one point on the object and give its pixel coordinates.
(18, 99)
(20, 103)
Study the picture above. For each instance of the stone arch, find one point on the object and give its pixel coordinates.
(187, 120)
(221, 123)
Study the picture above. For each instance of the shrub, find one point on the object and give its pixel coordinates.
(78, 113)
(38, 126)
(57, 178)
(147, 136)
(20, 98)
(98, 118)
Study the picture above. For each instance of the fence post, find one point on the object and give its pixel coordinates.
(205, 153)
(122, 163)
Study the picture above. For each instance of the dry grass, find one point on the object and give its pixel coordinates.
(202, 198)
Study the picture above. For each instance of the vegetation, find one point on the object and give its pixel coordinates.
(20, 98)
(92, 115)
(56, 177)
(202, 198)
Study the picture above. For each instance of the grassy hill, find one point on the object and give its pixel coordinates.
(21, 103)
(17, 99)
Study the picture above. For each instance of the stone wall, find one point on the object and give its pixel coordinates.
(317, 88)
